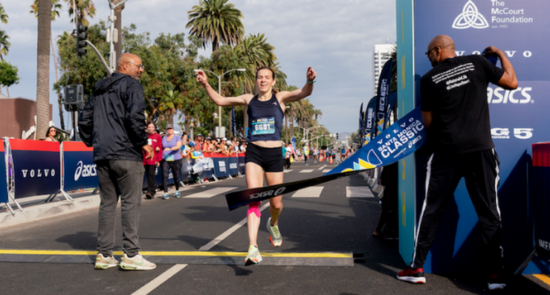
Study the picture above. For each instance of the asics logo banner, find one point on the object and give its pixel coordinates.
(470, 18)
(268, 193)
(519, 95)
(84, 170)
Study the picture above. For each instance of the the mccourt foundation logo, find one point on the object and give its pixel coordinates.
(470, 18)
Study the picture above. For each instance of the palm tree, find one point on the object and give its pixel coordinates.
(216, 21)
(43, 67)
(4, 44)
(3, 16)
(289, 114)
(56, 7)
(170, 104)
(85, 8)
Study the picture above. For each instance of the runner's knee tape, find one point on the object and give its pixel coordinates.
(254, 208)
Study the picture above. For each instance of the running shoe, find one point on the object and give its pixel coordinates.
(412, 276)
(102, 262)
(177, 195)
(253, 256)
(166, 197)
(136, 263)
(495, 283)
(275, 235)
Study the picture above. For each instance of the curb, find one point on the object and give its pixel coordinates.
(42, 211)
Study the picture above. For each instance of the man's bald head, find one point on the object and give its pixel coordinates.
(440, 48)
(130, 64)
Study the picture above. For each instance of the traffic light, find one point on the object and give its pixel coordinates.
(336, 136)
(81, 36)
(74, 97)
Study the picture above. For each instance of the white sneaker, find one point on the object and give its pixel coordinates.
(136, 263)
(275, 235)
(102, 262)
(253, 256)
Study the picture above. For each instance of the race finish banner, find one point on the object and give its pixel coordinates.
(383, 95)
(395, 143)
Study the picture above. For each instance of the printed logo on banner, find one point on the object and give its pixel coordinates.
(516, 96)
(84, 170)
(38, 173)
(509, 53)
(222, 166)
(470, 18)
(233, 166)
(504, 133)
(501, 16)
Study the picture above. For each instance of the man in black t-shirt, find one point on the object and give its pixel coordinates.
(456, 112)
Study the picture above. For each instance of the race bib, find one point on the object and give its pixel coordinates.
(263, 126)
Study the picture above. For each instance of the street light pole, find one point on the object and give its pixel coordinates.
(220, 93)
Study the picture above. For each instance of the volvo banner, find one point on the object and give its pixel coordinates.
(3, 175)
(79, 167)
(36, 167)
(518, 118)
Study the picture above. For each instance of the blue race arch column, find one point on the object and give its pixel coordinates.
(517, 120)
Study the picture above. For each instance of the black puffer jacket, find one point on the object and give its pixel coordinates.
(113, 120)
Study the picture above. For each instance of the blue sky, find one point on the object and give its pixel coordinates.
(336, 37)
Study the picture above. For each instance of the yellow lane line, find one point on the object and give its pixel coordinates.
(181, 253)
(543, 278)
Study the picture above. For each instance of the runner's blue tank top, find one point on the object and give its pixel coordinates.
(265, 119)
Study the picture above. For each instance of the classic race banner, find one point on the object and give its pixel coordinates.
(36, 166)
(3, 176)
(79, 167)
(398, 141)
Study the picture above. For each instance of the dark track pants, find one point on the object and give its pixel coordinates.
(150, 172)
(481, 172)
(175, 166)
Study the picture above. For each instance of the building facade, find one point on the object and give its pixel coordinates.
(382, 53)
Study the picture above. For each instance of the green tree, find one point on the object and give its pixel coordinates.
(56, 6)
(8, 74)
(87, 70)
(216, 21)
(4, 44)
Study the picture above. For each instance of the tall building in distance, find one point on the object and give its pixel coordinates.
(382, 52)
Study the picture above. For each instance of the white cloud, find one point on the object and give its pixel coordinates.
(336, 37)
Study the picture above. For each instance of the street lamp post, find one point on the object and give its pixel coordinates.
(220, 93)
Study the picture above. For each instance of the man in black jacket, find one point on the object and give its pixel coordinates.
(113, 122)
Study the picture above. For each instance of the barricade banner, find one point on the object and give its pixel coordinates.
(541, 191)
(207, 166)
(233, 165)
(396, 142)
(241, 164)
(36, 167)
(78, 166)
(3, 176)
(220, 165)
(186, 169)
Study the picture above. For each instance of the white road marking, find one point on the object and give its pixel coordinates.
(358, 192)
(322, 167)
(310, 192)
(306, 171)
(231, 230)
(152, 285)
(326, 170)
(210, 193)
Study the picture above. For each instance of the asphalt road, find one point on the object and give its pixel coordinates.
(329, 222)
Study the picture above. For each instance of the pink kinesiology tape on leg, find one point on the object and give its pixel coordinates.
(254, 208)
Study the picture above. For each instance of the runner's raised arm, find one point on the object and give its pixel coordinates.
(217, 98)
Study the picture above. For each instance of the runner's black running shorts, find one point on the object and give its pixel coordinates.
(270, 159)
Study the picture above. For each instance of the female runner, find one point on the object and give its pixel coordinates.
(264, 154)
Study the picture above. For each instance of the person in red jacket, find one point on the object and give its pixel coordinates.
(155, 141)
